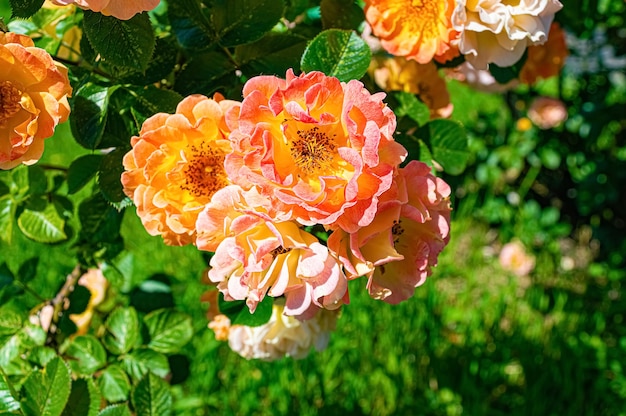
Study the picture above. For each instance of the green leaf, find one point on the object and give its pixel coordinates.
(81, 171)
(447, 141)
(152, 397)
(115, 410)
(204, 73)
(28, 270)
(412, 107)
(6, 275)
(505, 74)
(84, 399)
(25, 8)
(341, 14)
(10, 322)
(243, 21)
(7, 214)
(125, 43)
(239, 314)
(8, 403)
(191, 26)
(338, 53)
(122, 330)
(78, 300)
(275, 53)
(87, 354)
(109, 175)
(37, 180)
(100, 221)
(160, 66)
(89, 114)
(142, 360)
(45, 226)
(114, 384)
(169, 330)
(150, 100)
(41, 356)
(45, 392)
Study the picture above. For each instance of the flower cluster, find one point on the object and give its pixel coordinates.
(251, 181)
(34, 91)
(483, 31)
(121, 9)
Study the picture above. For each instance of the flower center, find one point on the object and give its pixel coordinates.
(426, 17)
(312, 150)
(10, 98)
(279, 250)
(397, 230)
(204, 172)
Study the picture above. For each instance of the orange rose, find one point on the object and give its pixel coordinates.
(33, 99)
(419, 30)
(121, 9)
(547, 60)
(176, 165)
(320, 149)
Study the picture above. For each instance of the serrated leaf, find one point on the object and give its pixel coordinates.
(10, 322)
(25, 8)
(115, 410)
(338, 53)
(239, 314)
(169, 330)
(87, 354)
(81, 171)
(152, 397)
(190, 25)
(89, 114)
(7, 218)
(447, 141)
(125, 43)
(237, 22)
(41, 355)
(8, 403)
(45, 392)
(84, 399)
(45, 226)
(150, 100)
(142, 360)
(412, 107)
(160, 66)
(275, 53)
(109, 174)
(341, 14)
(122, 330)
(114, 384)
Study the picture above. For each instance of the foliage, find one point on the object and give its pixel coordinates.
(475, 339)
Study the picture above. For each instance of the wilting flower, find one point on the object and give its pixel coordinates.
(499, 31)
(121, 9)
(282, 336)
(399, 248)
(419, 30)
(513, 257)
(547, 60)
(177, 164)
(319, 148)
(546, 112)
(33, 99)
(97, 285)
(400, 74)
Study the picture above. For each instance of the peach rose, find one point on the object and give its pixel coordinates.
(283, 336)
(513, 257)
(547, 113)
(499, 31)
(319, 148)
(419, 30)
(276, 259)
(121, 9)
(177, 164)
(33, 99)
(399, 248)
(400, 74)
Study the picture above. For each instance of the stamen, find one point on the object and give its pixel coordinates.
(10, 98)
(312, 150)
(204, 172)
